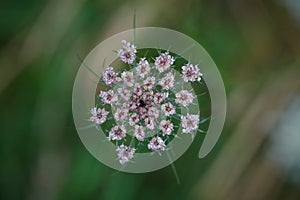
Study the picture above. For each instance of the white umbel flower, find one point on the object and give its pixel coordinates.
(189, 123)
(109, 76)
(166, 127)
(167, 82)
(128, 78)
(117, 133)
(99, 115)
(164, 61)
(156, 143)
(168, 109)
(139, 133)
(143, 103)
(125, 153)
(184, 97)
(127, 53)
(191, 73)
(143, 68)
(108, 97)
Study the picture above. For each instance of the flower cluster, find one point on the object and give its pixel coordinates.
(143, 103)
(127, 53)
(191, 73)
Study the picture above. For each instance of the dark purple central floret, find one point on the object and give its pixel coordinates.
(142, 103)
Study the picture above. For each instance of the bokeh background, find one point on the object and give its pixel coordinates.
(255, 44)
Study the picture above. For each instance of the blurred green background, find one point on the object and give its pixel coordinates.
(256, 46)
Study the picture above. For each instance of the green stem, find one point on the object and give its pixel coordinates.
(173, 168)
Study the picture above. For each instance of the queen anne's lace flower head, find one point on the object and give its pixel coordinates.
(189, 123)
(127, 53)
(156, 144)
(117, 133)
(143, 68)
(184, 98)
(99, 115)
(164, 62)
(125, 153)
(191, 73)
(145, 101)
(109, 76)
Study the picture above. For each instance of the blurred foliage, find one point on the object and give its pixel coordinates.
(42, 156)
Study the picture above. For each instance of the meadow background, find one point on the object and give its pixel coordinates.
(256, 46)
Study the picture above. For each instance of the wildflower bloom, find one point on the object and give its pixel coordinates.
(143, 68)
(142, 101)
(125, 153)
(109, 76)
(166, 127)
(163, 62)
(168, 109)
(99, 115)
(189, 123)
(156, 143)
(184, 97)
(127, 53)
(191, 73)
(139, 132)
(167, 82)
(117, 133)
(108, 97)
